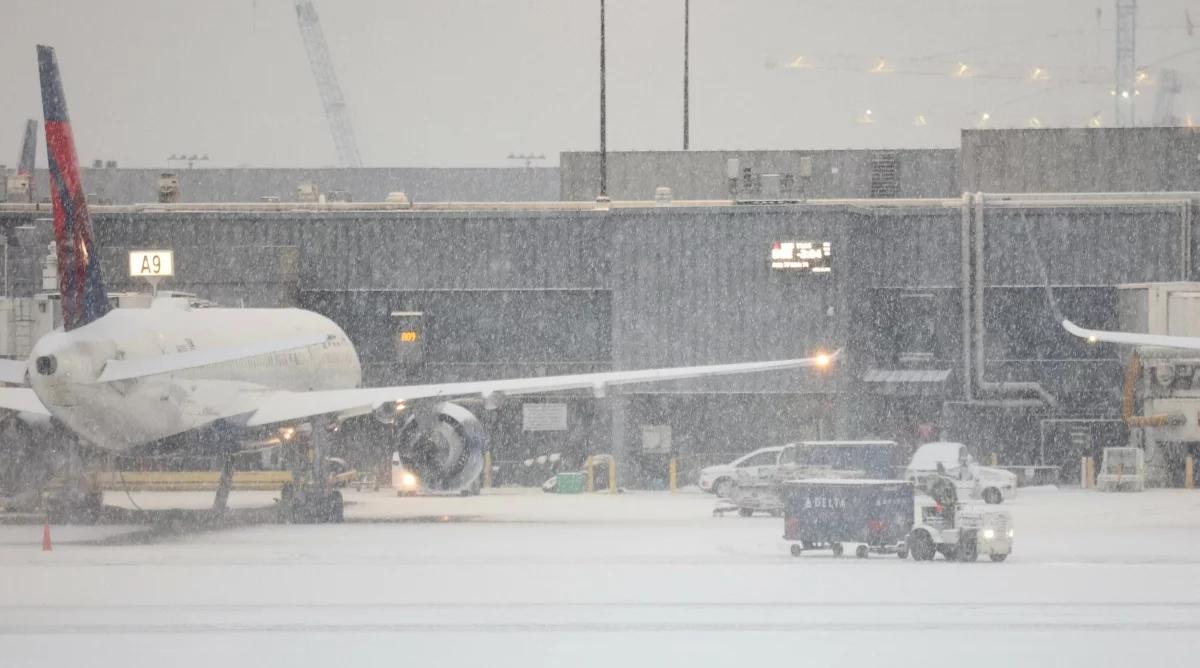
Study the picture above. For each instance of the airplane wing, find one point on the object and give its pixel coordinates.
(12, 371)
(137, 368)
(22, 400)
(290, 406)
(1159, 340)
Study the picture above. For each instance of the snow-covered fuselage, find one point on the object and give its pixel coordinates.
(120, 415)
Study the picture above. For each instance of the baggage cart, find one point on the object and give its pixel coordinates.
(869, 516)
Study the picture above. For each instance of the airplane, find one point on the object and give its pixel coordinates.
(126, 380)
(1131, 338)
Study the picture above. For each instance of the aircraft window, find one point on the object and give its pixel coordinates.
(761, 459)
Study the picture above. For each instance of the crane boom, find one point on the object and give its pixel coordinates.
(327, 85)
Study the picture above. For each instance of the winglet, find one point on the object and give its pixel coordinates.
(80, 283)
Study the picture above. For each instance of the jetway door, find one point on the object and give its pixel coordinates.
(1183, 314)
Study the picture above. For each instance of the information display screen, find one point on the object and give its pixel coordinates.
(809, 257)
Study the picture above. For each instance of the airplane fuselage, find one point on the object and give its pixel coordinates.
(120, 415)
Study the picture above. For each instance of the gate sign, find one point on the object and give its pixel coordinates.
(151, 263)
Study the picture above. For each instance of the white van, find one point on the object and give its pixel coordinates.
(973, 481)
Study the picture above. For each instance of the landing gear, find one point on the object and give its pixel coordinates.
(224, 484)
(72, 506)
(312, 500)
(310, 504)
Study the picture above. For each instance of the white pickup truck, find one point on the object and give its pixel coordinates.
(973, 481)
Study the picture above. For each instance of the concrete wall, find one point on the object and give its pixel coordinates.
(368, 184)
(633, 175)
(1081, 160)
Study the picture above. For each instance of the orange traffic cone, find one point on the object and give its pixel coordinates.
(47, 546)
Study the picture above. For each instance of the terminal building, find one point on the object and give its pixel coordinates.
(936, 297)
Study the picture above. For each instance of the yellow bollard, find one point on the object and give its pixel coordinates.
(487, 469)
(591, 477)
(1091, 471)
(994, 460)
(672, 475)
(612, 475)
(1083, 472)
(1189, 472)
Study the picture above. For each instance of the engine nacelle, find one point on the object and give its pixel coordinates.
(387, 413)
(31, 450)
(448, 454)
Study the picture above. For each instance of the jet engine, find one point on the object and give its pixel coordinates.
(28, 459)
(447, 453)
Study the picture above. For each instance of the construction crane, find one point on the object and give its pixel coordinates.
(327, 85)
(1169, 87)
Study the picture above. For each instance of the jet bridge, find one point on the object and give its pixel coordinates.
(1166, 380)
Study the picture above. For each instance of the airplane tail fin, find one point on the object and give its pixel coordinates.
(28, 148)
(84, 298)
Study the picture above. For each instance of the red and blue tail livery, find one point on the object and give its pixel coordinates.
(79, 278)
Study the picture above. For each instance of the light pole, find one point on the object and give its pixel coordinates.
(603, 119)
(686, 35)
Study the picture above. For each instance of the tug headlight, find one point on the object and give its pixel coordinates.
(989, 534)
(1010, 533)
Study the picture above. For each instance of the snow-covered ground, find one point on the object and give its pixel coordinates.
(520, 577)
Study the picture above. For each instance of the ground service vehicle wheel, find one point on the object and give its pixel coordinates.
(998, 557)
(721, 487)
(861, 552)
(992, 495)
(745, 512)
(902, 552)
(920, 545)
(837, 549)
(968, 551)
(797, 550)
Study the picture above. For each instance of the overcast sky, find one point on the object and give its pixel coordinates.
(466, 83)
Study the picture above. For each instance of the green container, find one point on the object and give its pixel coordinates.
(570, 483)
